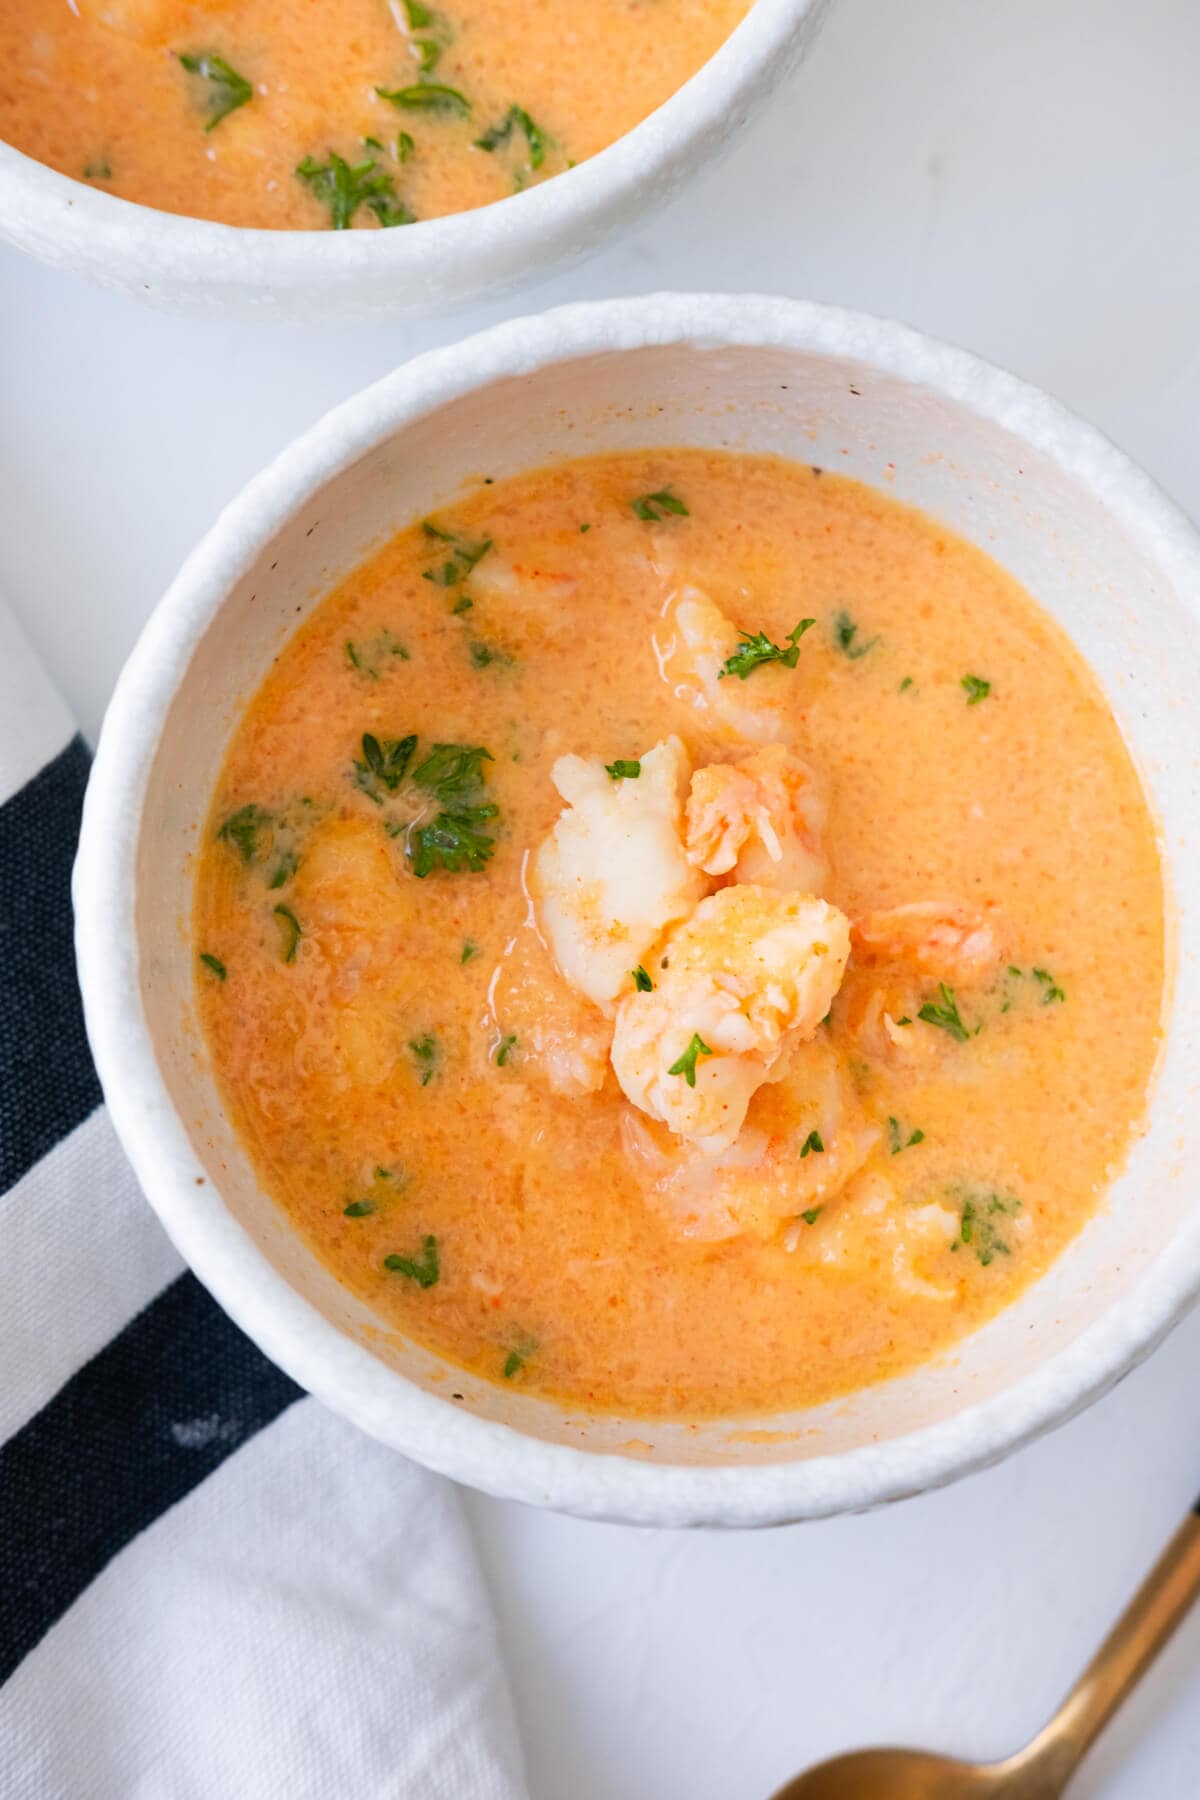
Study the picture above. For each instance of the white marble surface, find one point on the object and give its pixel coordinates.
(1020, 178)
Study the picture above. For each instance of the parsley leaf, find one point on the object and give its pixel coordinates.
(812, 1215)
(686, 1065)
(946, 1016)
(344, 187)
(423, 1270)
(370, 657)
(425, 1055)
(754, 651)
(977, 688)
(978, 1228)
(1052, 991)
(243, 831)
(653, 507)
(214, 963)
(384, 765)
(358, 1209)
(897, 1140)
(429, 97)
(622, 770)
(461, 558)
(641, 980)
(516, 118)
(813, 1143)
(227, 90)
(513, 1364)
(845, 633)
(469, 949)
(290, 931)
(503, 1048)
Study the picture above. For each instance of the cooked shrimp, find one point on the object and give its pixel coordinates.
(755, 709)
(612, 875)
(748, 968)
(768, 1176)
(759, 819)
(945, 940)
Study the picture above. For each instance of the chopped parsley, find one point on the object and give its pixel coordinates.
(469, 949)
(428, 97)
(424, 1270)
(290, 932)
(503, 1048)
(979, 1224)
(383, 765)
(977, 688)
(98, 171)
(370, 658)
(1050, 988)
(813, 1145)
(425, 1055)
(641, 980)
(905, 684)
(845, 635)
(404, 146)
(359, 1209)
(945, 1015)
(686, 1065)
(897, 1140)
(345, 187)
(812, 1215)
(285, 868)
(227, 90)
(459, 559)
(754, 651)
(516, 119)
(214, 963)
(623, 770)
(513, 1364)
(653, 507)
(243, 831)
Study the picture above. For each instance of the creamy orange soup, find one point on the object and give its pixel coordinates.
(682, 932)
(337, 112)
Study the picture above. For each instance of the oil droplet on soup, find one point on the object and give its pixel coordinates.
(682, 933)
(347, 113)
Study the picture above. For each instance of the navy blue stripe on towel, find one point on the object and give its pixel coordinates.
(133, 1431)
(47, 1082)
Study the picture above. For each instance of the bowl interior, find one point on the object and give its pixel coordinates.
(1034, 511)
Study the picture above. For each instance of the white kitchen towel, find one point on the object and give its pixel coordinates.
(210, 1587)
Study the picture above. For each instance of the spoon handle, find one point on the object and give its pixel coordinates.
(1130, 1647)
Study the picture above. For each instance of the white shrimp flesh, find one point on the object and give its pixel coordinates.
(760, 820)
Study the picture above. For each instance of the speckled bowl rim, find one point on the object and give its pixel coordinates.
(498, 1458)
(72, 221)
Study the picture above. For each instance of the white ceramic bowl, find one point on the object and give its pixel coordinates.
(1052, 500)
(195, 265)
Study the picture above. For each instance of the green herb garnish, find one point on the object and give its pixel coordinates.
(813, 1144)
(845, 633)
(623, 770)
(754, 651)
(978, 1224)
(428, 97)
(906, 683)
(464, 553)
(227, 90)
(344, 187)
(423, 1270)
(214, 963)
(977, 688)
(404, 146)
(945, 1015)
(383, 765)
(686, 1065)
(424, 1051)
(503, 1048)
(359, 1209)
(369, 658)
(641, 980)
(285, 868)
(469, 949)
(516, 118)
(243, 830)
(653, 507)
(290, 931)
(812, 1215)
(1050, 987)
(897, 1140)
(97, 171)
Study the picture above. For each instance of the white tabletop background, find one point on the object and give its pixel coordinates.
(1021, 177)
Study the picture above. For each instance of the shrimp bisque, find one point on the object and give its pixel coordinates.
(681, 933)
(337, 113)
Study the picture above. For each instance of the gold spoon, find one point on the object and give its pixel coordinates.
(1042, 1770)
